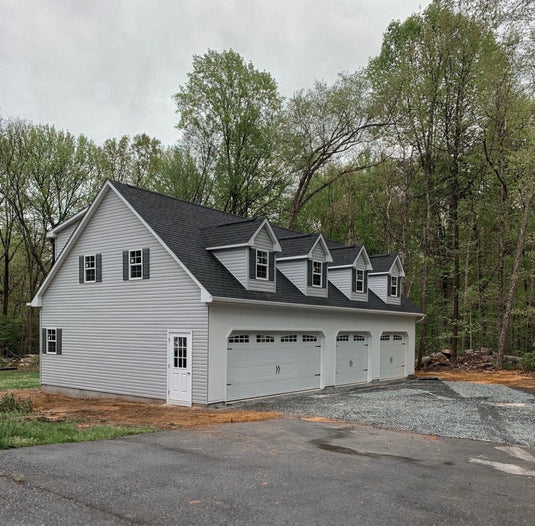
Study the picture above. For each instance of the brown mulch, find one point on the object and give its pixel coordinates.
(519, 379)
(89, 411)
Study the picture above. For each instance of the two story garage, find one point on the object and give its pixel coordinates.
(158, 298)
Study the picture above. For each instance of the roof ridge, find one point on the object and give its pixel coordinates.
(345, 247)
(245, 220)
(298, 237)
(176, 199)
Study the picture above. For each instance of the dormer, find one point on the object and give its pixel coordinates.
(247, 249)
(60, 234)
(304, 261)
(386, 278)
(349, 271)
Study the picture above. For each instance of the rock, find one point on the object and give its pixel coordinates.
(516, 360)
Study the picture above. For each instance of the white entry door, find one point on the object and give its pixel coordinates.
(179, 367)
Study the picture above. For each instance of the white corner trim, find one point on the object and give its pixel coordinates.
(265, 223)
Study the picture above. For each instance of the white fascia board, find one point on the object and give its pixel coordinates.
(223, 247)
(206, 297)
(53, 233)
(340, 267)
(290, 258)
(275, 241)
(328, 256)
(37, 300)
(363, 251)
(219, 299)
(401, 271)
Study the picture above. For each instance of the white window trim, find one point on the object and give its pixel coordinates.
(320, 274)
(394, 284)
(257, 250)
(130, 264)
(55, 340)
(94, 256)
(359, 281)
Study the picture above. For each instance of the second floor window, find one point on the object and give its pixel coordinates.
(135, 258)
(90, 269)
(359, 284)
(317, 273)
(394, 285)
(262, 264)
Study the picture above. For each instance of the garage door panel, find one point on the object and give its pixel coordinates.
(352, 359)
(261, 369)
(392, 361)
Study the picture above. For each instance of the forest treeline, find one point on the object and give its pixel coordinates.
(428, 151)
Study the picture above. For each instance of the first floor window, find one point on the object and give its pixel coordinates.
(394, 284)
(359, 285)
(317, 273)
(262, 262)
(135, 258)
(90, 269)
(51, 341)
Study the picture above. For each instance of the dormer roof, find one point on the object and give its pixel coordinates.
(237, 234)
(384, 264)
(348, 256)
(302, 246)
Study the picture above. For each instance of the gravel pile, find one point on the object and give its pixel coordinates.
(453, 409)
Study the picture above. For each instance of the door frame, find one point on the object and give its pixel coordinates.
(170, 335)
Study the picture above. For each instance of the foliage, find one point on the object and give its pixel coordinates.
(18, 380)
(17, 431)
(10, 404)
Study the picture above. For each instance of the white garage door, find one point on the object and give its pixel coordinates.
(351, 358)
(272, 363)
(392, 363)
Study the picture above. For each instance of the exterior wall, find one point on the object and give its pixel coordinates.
(341, 279)
(317, 253)
(115, 332)
(224, 318)
(262, 241)
(359, 296)
(379, 284)
(296, 271)
(235, 260)
(63, 237)
(396, 271)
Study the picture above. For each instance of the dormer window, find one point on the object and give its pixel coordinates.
(394, 286)
(262, 264)
(359, 281)
(317, 273)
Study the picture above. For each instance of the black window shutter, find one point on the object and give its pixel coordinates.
(272, 266)
(81, 269)
(252, 263)
(389, 286)
(98, 263)
(43, 341)
(399, 287)
(58, 340)
(125, 265)
(146, 263)
(324, 276)
(354, 279)
(365, 281)
(309, 272)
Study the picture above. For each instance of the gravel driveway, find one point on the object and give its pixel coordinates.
(452, 409)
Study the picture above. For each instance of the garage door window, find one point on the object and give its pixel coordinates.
(385, 338)
(359, 338)
(265, 338)
(397, 337)
(240, 338)
(290, 338)
(309, 338)
(342, 338)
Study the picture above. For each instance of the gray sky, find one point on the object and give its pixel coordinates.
(108, 68)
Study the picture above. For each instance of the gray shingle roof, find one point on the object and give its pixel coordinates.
(298, 245)
(345, 255)
(179, 224)
(234, 233)
(383, 262)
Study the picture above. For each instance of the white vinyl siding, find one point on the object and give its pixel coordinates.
(115, 335)
(235, 261)
(318, 253)
(262, 241)
(341, 279)
(360, 296)
(378, 284)
(63, 237)
(296, 272)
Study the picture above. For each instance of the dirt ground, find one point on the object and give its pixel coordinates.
(517, 379)
(89, 411)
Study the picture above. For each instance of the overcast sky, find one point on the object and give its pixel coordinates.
(108, 68)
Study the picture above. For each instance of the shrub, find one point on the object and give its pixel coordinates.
(528, 361)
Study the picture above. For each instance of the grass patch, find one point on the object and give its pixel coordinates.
(18, 380)
(20, 431)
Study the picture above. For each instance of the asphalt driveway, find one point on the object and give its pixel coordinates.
(451, 409)
(271, 472)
